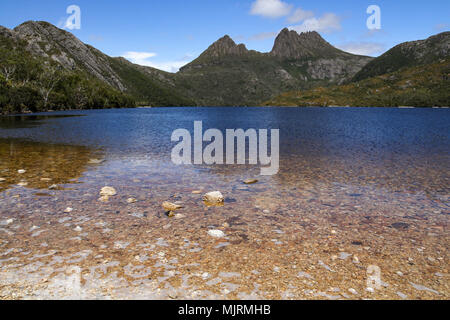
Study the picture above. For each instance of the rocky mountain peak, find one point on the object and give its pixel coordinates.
(46, 40)
(291, 45)
(223, 47)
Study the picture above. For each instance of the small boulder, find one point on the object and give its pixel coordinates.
(108, 192)
(216, 233)
(96, 161)
(214, 197)
(169, 206)
(103, 199)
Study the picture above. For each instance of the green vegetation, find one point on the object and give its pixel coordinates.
(408, 54)
(45, 68)
(30, 83)
(419, 86)
(146, 90)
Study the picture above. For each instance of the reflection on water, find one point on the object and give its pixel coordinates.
(28, 121)
(356, 187)
(38, 165)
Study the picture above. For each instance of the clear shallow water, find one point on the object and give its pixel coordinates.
(375, 177)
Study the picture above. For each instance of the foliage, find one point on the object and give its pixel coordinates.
(419, 86)
(30, 83)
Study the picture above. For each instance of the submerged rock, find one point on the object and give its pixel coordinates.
(169, 206)
(108, 192)
(400, 226)
(131, 200)
(216, 233)
(2, 179)
(214, 197)
(250, 181)
(21, 171)
(103, 199)
(68, 210)
(96, 161)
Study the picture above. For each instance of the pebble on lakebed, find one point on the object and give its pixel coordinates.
(216, 233)
(108, 192)
(169, 206)
(250, 181)
(214, 197)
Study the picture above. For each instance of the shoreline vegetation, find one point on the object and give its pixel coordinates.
(44, 68)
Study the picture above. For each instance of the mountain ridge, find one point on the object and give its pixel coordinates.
(225, 74)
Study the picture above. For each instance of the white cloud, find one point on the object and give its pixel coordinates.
(363, 48)
(300, 15)
(142, 58)
(329, 22)
(139, 56)
(271, 8)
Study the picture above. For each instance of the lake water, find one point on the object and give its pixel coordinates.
(357, 187)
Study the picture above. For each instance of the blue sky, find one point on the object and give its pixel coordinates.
(167, 34)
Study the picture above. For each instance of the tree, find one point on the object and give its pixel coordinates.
(48, 81)
(8, 71)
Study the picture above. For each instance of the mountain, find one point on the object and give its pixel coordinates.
(411, 74)
(294, 46)
(229, 74)
(43, 67)
(50, 68)
(408, 54)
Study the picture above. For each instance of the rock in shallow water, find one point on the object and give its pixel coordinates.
(250, 181)
(214, 197)
(108, 192)
(216, 233)
(400, 225)
(169, 206)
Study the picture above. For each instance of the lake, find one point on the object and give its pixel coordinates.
(358, 189)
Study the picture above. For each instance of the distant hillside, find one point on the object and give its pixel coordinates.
(408, 54)
(420, 86)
